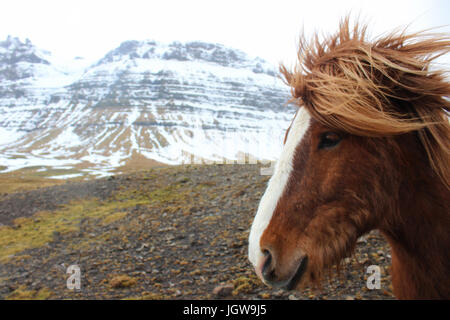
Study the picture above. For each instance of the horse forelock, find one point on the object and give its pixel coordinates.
(378, 88)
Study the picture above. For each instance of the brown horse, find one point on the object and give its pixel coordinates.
(367, 149)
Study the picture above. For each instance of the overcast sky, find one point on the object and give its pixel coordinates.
(268, 29)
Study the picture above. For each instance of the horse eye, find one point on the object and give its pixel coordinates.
(329, 140)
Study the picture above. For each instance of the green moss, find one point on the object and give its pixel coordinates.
(149, 296)
(244, 285)
(35, 231)
(122, 281)
(166, 194)
(22, 294)
(34, 177)
(114, 217)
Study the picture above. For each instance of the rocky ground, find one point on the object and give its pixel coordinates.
(165, 233)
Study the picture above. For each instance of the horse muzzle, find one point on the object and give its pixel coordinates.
(267, 272)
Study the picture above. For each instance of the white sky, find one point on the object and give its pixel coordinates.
(268, 29)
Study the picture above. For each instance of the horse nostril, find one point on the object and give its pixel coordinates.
(268, 269)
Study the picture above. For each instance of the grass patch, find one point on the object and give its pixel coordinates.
(122, 281)
(167, 194)
(245, 285)
(35, 231)
(22, 294)
(114, 217)
(11, 184)
(149, 296)
(43, 227)
(174, 193)
(32, 178)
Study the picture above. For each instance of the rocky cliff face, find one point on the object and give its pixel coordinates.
(142, 100)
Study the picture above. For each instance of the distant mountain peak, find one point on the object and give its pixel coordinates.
(15, 51)
(143, 99)
(187, 51)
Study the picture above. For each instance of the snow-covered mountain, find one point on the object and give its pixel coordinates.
(142, 100)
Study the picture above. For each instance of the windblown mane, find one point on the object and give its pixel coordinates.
(377, 88)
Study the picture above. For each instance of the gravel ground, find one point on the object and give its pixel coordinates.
(166, 233)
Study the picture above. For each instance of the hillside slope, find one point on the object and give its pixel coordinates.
(144, 100)
(175, 233)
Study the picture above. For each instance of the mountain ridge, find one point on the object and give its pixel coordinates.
(161, 101)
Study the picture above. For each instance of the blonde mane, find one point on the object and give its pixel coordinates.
(377, 88)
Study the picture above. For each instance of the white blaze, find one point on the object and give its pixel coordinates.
(277, 184)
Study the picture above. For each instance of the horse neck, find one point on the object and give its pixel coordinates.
(419, 238)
